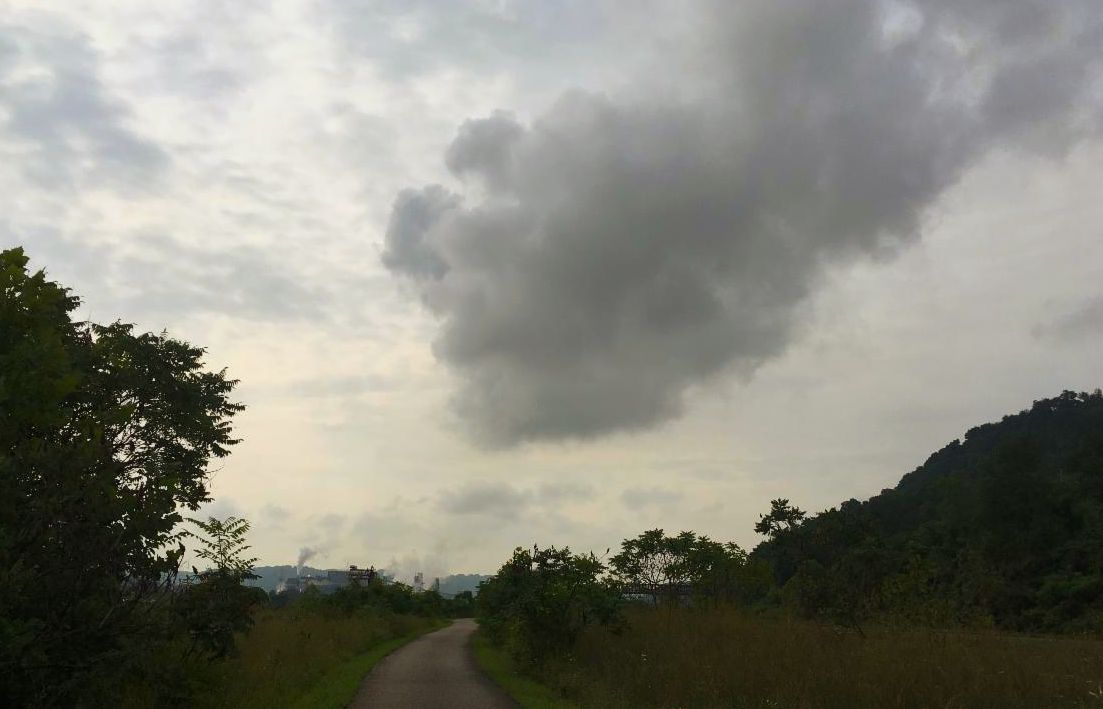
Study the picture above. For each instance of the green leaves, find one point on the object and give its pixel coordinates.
(222, 545)
(540, 600)
(217, 605)
(104, 435)
(663, 567)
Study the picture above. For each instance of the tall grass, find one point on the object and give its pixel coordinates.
(528, 694)
(727, 658)
(290, 651)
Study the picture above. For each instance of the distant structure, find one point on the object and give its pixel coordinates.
(419, 582)
(288, 585)
(358, 576)
(436, 585)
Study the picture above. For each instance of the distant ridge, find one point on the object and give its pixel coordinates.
(1003, 527)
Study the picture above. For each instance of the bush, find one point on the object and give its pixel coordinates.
(541, 600)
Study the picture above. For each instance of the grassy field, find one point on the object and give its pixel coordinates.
(725, 658)
(524, 690)
(297, 657)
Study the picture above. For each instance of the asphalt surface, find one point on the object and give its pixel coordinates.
(436, 670)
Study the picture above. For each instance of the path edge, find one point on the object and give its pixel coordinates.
(338, 687)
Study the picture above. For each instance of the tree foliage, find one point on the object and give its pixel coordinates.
(541, 599)
(217, 604)
(105, 435)
(1004, 527)
(669, 568)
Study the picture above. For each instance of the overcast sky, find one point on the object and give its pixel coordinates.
(503, 272)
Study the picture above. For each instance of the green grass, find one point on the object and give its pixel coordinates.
(525, 691)
(294, 656)
(728, 658)
(338, 686)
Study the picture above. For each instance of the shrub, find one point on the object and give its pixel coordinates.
(540, 600)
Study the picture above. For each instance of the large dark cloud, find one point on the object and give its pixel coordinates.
(616, 251)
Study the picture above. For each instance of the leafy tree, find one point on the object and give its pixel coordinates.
(781, 518)
(664, 567)
(653, 562)
(218, 604)
(541, 600)
(105, 435)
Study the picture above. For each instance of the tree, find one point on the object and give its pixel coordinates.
(652, 563)
(781, 518)
(541, 600)
(218, 604)
(105, 435)
(663, 567)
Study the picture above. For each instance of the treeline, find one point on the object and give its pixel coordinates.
(107, 436)
(381, 595)
(899, 601)
(1002, 529)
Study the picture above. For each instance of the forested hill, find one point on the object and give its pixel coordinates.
(1004, 527)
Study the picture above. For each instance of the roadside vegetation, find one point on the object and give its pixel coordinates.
(510, 676)
(976, 582)
(727, 657)
(107, 441)
(305, 657)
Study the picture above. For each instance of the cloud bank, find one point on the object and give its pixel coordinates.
(60, 122)
(616, 251)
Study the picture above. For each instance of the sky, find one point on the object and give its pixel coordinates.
(495, 273)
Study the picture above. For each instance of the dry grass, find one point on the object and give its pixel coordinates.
(290, 651)
(726, 658)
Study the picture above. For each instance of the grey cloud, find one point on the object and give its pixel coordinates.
(243, 281)
(221, 508)
(275, 515)
(61, 120)
(505, 501)
(330, 522)
(389, 530)
(497, 499)
(639, 498)
(342, 386)
(485, 148)
(1081, 322)
(617, 251)
(415, 212)
(412, 37)
(157, 276)
(556, 493)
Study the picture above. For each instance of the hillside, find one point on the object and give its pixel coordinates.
(1003, 527)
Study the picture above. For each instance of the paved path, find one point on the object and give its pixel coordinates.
(436, 670)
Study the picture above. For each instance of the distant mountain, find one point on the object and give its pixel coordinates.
(458, 583)
(271, 576)
(1004, 527)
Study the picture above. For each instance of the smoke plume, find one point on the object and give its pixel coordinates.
(305, 555)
